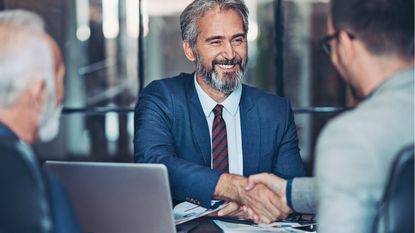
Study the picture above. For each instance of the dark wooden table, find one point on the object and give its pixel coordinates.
(200, 225)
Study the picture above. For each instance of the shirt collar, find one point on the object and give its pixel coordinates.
(230, 104)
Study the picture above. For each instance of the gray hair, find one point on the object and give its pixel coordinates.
(196, 10)
(25, 55)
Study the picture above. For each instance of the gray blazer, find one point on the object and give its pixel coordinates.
(355, 151)
(303, 195)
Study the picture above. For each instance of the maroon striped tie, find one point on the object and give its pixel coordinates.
(219, 141)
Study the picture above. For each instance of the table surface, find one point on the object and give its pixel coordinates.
(200, 225)
(206, 225)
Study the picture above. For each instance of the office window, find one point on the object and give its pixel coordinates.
(108, 61)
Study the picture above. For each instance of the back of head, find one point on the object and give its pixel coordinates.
(25, 55)
(386, 27)
(196, 10)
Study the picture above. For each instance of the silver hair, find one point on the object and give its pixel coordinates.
(196, 10)
(25, 55)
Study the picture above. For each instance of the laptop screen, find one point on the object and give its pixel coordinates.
(117, 197)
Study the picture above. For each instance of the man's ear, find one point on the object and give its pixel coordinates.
(37, 92)
(188, 51)
(346, 46)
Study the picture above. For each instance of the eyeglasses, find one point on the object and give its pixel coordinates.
(325, 41)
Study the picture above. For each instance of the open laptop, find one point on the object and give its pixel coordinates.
(118, 197)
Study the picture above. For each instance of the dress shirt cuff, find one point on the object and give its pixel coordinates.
(288, 192)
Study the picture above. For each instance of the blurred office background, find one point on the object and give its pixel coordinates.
(114, 48)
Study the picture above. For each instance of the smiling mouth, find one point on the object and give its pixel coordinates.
(226, 67)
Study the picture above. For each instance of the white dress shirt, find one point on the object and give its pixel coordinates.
(232, 120)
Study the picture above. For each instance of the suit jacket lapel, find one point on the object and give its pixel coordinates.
(250, 128)
(199, 126)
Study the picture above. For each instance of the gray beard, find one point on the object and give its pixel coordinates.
(49, 125)
(229, 82)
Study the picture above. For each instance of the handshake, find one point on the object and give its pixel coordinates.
(260, 197)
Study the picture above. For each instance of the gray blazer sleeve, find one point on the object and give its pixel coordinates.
(303, 195)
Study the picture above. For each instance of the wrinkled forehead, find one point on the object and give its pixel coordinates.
(217, 18)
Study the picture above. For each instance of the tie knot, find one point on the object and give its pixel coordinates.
(218, 110)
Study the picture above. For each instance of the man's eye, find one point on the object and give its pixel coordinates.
(238, 41)
(215, 42)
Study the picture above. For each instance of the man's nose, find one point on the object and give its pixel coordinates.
(228, 51)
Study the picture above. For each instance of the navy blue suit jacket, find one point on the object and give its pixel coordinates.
(29, 196)
(170, 128)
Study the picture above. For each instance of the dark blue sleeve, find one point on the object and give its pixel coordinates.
(288, 163)
(288, 190)
(154, 142)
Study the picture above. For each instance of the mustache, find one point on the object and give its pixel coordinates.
(233, 61)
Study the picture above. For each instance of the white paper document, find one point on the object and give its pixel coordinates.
(228, 227)
(187, 211)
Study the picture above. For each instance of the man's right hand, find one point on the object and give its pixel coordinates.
(260, 199)
(275, 183)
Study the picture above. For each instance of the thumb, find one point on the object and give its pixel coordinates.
(260, 178)
(250, 185)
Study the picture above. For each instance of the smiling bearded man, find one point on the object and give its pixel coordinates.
(208, 128)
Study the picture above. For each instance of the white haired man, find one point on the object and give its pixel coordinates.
(31, 87)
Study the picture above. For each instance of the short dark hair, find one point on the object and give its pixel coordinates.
(196, 10)
(384, 26)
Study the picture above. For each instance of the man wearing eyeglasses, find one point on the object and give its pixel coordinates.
(371, 44)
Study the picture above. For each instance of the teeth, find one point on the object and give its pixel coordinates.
(226, 66)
